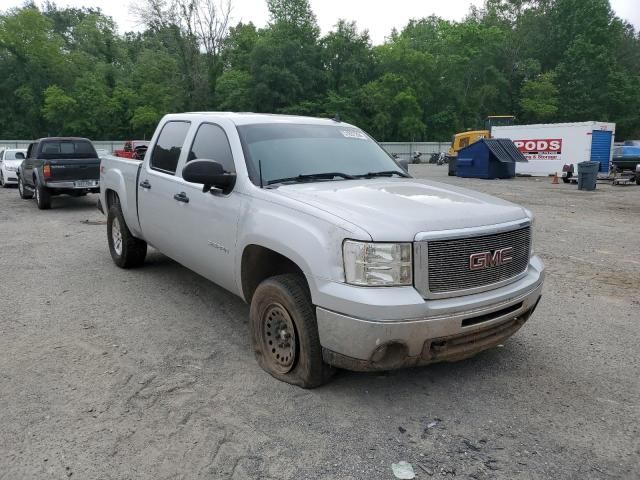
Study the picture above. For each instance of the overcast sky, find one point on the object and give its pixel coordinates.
(379, 17)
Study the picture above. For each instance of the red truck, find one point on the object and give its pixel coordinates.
(133, 149)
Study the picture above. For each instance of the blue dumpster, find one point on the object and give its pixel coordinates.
(489, 158)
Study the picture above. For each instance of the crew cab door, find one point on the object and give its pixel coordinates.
(206, 225)
(157, 184)
(28, 164)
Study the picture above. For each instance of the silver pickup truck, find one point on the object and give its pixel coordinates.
(345, 259)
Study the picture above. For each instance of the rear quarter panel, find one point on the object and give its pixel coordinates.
(120, 176)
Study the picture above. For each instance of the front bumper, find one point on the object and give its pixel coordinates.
(443, 330)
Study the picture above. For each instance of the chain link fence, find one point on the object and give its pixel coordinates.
(405, 150)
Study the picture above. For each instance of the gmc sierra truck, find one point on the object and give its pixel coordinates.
(345, 260)
(56, 166)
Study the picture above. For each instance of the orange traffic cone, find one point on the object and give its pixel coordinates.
(555, 179)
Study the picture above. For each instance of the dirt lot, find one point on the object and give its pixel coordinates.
(148, 374)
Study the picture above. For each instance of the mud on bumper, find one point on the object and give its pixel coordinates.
(476, 333)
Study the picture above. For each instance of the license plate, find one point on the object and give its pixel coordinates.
(85, 183)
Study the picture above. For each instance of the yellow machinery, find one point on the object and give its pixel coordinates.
(461, 140)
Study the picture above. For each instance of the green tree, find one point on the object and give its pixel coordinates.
(59, 108)
(286, 63)
(539, 98)
(347, 57)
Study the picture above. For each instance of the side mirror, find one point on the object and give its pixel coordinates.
(19, 156)
(210, 174)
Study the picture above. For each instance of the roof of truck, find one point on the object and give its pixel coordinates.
(248, 118)
(62, 138)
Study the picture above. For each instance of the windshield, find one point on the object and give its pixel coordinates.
(286, 151)
(9, 155)
(51, 149)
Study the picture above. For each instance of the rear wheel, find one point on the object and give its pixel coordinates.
(126, 250)
(23, 190)
(43, 197)
(284, 332)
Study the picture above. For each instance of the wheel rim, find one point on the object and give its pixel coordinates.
(116, 236)
(279, 338)
(38, 195)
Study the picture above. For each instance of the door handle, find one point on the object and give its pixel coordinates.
(146, 185)
(181, 197)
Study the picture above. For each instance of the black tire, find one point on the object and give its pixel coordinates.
(43, 197)
(129, 251)
(4, 185)
(23, 191)
(277, 303)
(638, 179)
(565, 180)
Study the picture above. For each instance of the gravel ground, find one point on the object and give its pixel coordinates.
(148, 374)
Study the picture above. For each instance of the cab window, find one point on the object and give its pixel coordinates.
(211, 143)
(166, 151)
(30, 150)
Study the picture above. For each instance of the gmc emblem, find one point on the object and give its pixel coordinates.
(482, 260)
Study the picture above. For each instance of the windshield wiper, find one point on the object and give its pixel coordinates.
(312, 176)
(386, 173)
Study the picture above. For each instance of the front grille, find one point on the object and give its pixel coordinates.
(448, 266)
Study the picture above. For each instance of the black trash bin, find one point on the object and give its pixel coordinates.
(587, 175)
(452, 166)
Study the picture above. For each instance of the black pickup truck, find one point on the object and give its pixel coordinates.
(59, 165)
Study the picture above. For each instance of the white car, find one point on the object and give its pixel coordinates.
(10, 160)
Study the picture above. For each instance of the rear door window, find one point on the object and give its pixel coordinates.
(211, 143)
(166, 152)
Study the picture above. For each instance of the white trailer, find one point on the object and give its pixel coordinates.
(557, 148)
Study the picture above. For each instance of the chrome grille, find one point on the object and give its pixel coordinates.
(447, 261)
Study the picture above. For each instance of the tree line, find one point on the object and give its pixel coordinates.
(67, 71)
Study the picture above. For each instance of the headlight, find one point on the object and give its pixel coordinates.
(529, 214)
(377, 264)
(11, 169)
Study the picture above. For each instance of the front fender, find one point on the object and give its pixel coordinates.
(312, 243)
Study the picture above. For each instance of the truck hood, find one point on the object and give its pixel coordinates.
(398, 209)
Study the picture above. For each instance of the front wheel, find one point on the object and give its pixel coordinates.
(126, 250)
(23, 191)
(284, 332)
